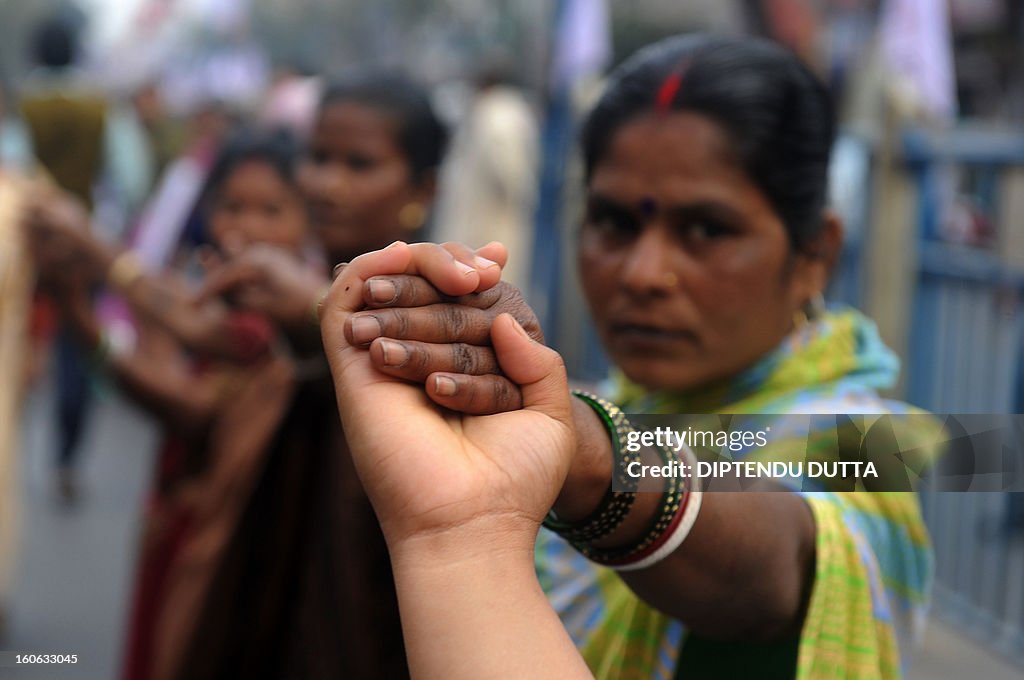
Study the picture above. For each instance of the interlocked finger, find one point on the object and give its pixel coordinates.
(416, 361)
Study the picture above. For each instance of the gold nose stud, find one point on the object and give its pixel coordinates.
(670, 280)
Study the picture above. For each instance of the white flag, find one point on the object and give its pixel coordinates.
(583, 42)
(918, 49)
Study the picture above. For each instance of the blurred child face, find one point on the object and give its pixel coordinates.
(256, 205)
(358, 180)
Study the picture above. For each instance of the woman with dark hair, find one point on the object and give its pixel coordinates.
(374, 156)
(704, 253)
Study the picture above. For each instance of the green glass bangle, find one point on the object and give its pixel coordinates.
(615, 505)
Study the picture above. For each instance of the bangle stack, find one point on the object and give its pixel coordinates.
(676, 515)
(616, 504)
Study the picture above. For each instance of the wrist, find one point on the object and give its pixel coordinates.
(591, 471)
(482, 540)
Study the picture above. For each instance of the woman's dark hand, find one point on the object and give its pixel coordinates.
(416, 333)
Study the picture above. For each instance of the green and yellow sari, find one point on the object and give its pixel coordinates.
(873, 560)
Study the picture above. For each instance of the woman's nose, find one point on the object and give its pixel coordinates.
(649, 267)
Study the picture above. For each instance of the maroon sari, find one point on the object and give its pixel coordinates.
(266, 559)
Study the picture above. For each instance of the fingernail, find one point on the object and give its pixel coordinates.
(395, 353)
(519, 327)
(382, 291)
(393, 245)
(365, 329)
(445, 386)
(464, 268)
(484, 263)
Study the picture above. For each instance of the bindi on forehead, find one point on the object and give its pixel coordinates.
(648, 207)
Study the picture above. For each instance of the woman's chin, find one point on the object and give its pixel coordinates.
(663, 374)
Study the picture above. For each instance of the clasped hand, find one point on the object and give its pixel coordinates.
(431, 471)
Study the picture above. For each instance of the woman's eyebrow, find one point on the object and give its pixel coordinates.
(714, 210)
(701, 209)
(597, 201)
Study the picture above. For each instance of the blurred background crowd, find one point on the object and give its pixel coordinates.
(928, 174)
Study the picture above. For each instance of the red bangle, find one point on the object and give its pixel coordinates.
(660, 541)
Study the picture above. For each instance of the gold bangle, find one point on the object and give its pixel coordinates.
(125, 271)
(317, 308)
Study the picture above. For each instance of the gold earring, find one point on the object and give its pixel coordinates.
(412, 216)
(809, 311)
(799, 318)
(816, 306)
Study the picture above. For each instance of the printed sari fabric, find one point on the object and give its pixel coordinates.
(873, 561)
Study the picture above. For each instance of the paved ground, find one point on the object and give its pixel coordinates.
(947, 655)
(75, 566)
(74, 576)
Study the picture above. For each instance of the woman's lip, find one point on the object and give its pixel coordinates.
(651, 333)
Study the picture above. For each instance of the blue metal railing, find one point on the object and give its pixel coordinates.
(965, 356)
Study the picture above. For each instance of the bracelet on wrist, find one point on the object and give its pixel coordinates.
(676, 515)
(125, 271)
(317, 307)
(677, 510)
(615, 505)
